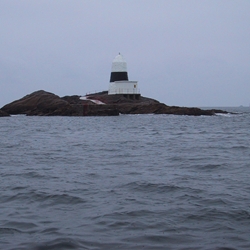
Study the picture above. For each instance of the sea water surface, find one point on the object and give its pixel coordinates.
(125, 182)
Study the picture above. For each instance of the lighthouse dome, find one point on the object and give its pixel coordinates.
(119, 64)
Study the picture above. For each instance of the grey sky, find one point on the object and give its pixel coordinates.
(185, 53)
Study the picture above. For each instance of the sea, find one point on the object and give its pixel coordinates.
(125, 182)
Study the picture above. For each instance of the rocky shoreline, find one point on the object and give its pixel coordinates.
(42, 103)
(2, 113)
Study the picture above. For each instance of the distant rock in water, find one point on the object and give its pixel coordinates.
(48, 104)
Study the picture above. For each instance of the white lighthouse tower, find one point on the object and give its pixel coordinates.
(119, 83)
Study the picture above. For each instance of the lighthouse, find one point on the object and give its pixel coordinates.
(119, 83)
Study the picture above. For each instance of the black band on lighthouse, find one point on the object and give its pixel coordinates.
(118, 76)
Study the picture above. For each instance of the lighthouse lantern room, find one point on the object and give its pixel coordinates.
(119, 83)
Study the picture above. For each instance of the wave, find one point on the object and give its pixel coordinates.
(45, 199)
(58, 243)
(150, 187)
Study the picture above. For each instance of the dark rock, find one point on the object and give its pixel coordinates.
(43, 103)
(74, 99)
(101, 110)
(120, 99)
(3, 113)
(161, 108)
(39, 103)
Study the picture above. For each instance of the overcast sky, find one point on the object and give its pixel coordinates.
(181, 52)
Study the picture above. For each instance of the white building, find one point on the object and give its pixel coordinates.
(119, 83)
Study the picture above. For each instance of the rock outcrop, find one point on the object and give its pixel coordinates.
(39, 103)
(43, 103)
(48, 104)
(145, 105)
(3, 113)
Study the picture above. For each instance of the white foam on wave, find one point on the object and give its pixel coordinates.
(226, 115)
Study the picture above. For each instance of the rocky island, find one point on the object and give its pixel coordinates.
(122, 97)
(42, 103)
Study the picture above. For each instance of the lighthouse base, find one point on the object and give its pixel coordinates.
(123, 88)
(132, 97)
